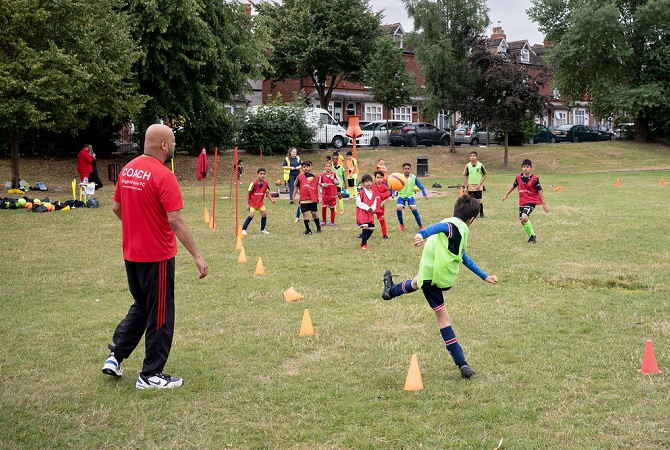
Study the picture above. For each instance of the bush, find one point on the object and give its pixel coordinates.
(522, 133)
(275, 129)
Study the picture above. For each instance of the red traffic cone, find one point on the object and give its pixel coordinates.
(649, 366)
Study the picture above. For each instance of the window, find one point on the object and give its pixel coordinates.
(403, 113)
(578, 117)
(525, 55)
(560, 118)
(351, 108)
(373, 111)
(557, 94)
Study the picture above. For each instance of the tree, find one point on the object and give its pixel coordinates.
(325, 40)
(442, 32)
(614, 53)
(197, 55)
(62, 63)
(386, 74)
(503, 92)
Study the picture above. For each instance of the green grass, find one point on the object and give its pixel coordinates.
(556, 345)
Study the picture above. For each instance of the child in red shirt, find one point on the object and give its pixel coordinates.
(382, 193)
(366, 204)
(258, 190)
(328, 182)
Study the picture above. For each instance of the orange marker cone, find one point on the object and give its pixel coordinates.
(618, 183)
(306, 328)
(290, 295)
(239, 232)
(649, 366)
(260, 269)
(239, 245)
(662, 181)
(558, 188)
(211, 222)
(243, 256)
(206, 216)
(460, 191)
(413, 382)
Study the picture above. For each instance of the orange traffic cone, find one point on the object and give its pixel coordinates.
(662, 181)
(558, 189)
(291, 295)
(206, 216)
(239, 245)
(243, 256)
(649, 366)
(413, 382)
(260, 269)
(211, 222)
(460, 191)
(618, 183)
(306, 328)
(239, 232)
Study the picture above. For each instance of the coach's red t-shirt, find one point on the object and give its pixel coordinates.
(147, 191)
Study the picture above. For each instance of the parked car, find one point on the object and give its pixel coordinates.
(475, 135)
(418, 133)
(576, 133)
(605, 133)
(377, 133)
(544, 134)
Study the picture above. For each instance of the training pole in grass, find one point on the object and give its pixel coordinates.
(216, 159)
(236, 177)
(260, 163)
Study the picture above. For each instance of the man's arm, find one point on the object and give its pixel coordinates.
(511, 188)
(184, 235)
(116, 207)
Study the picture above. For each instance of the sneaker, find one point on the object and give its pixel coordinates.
(297, 219)
(402, 227)
(265, 232)
(532, 239)
(481, 215)
(323, 223)
(388, 284)
(244, 232)
(385, 237)
(365, 247)
(307, 232)
(466, 371)
(112, 367)
(422, 228)
(158, 381)
(331, 224)
(341, 211)
(318, 230)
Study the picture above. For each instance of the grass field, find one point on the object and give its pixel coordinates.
(556, 345)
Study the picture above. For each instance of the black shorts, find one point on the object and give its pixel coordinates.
(526, 209)
(475, 194)
(351, 182)
(308, 207)
(433, 295)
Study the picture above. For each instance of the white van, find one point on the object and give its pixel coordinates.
(327, 130)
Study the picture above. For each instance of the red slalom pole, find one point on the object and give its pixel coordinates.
(216, 159)
(237, 192)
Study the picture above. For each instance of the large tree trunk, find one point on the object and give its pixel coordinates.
(641, 129)
(14, 151)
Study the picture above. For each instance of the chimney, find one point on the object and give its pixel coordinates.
(247, 9)
(498, 33)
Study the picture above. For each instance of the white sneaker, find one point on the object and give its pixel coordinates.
(244, 232)
(265, 232)
(158, 381)
(297, 219)
(112, 366)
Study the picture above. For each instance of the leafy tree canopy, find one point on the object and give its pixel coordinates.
(614, 53)
(325, 40)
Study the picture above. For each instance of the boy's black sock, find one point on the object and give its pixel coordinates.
(264, 221)
(246, 223)
(307, 225)
(318, 224)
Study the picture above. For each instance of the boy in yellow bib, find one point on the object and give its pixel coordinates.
(443, 253)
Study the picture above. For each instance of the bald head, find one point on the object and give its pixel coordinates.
(159, 142)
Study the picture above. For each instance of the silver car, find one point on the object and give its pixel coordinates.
(475, 135)
(377, 133)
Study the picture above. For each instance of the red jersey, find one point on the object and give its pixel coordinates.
(328, 182)
(363, 216)
(528, 193)
(257, 193)
(147, 191)
(309, 186)
(381, 193)
(85, 162)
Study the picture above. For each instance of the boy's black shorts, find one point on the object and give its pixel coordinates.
(308, 207)
(475, 194)
(526, 209)
(433, 295)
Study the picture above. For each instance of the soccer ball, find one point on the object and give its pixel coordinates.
(396, 181)
(278, 183)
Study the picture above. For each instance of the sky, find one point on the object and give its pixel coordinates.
(510, 13)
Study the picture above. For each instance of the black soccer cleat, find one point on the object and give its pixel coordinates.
(532, 239)
(388, 285)
(466, 371)
(307, 232)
